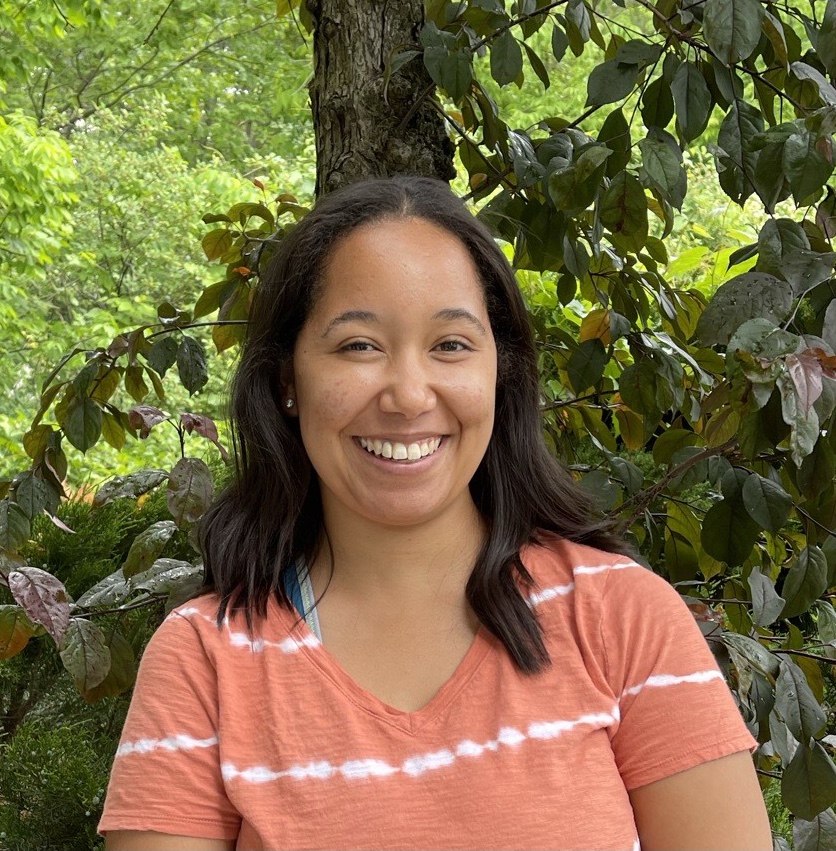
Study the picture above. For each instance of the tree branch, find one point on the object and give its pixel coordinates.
(515, 22)
(159, 21)
(643, 498)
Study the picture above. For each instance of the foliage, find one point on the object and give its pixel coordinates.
(47, 771)
(699, 411)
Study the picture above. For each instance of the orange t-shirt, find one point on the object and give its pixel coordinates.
(267, 740)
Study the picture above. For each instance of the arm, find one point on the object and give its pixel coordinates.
(149, 840)
(714, 805)
(166, 779)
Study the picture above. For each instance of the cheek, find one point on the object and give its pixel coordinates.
(329, 399)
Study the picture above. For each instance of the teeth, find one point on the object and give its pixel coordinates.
(400, 451)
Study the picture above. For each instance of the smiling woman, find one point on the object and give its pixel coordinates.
(415, 631)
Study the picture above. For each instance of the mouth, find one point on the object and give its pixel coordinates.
(402, 452)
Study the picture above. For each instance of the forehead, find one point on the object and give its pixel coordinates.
(400, 263)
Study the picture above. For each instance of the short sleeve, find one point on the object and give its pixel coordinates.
(676, 710)
(166, 776)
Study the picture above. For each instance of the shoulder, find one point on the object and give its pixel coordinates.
(604, 591)
(555, 562)
(194, 628)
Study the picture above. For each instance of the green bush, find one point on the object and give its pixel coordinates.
(52, 785)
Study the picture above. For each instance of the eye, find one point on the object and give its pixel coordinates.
(453, 346)
(357, 346)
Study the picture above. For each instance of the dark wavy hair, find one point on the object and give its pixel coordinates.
(271, 514)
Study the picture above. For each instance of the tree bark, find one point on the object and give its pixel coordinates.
(358, 132)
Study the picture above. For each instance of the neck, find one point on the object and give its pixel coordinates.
(375, 560)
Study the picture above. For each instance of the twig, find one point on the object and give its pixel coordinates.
(197, 325)
(159, 21)
(514, 22)
(805, 655)
(645, 497)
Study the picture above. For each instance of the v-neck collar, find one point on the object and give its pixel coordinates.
(318, 656)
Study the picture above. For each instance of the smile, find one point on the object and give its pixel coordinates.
(400, 451)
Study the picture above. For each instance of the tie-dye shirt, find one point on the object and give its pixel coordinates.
(266, 740)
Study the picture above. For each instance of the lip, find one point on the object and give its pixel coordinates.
(404, 438)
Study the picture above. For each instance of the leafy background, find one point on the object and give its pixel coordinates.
(660, 176)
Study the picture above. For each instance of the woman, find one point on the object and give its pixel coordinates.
(490, 670)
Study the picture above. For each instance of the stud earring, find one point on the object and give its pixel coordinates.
(289, 403)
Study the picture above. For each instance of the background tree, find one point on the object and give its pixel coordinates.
(688, 373)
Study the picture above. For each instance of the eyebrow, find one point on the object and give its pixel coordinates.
(453, 314)
(448, 314)
(351, 316)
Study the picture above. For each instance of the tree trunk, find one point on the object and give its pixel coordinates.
(358, 132)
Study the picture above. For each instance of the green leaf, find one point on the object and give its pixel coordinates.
(578, 25)
(575, 256)
(662, 162)
(167, 576)
(450, 66)
(191, 364)
(671, 442)
(736, 156)
(537, 66)
(806, 168)
(216, 243)
(692, 99)
(623, 209)
(826, 41)
(85, 654)
(753, 651)
(135, 383)
(506, 59)
(743, 298)
(808, 786)
(779, 238)
(639, 52)
(806, 581)
(147, 547)
(107, 592)
(573, 188)
(657, 104)
(14, 526)
(559, 43)
(627, 473)
(769, 177)
(768, 504)
(728, 533)
(122, 672)
(766, 604)
(818, 834)
(652, 384)
(586, 365)
(732, 28)
(106, 384)
(31, 494)
(615, 134)
(129, 487)
(190, 491)
(83, 423)
(113, 431)
(609, 82)
(163, 354)
(796, 703)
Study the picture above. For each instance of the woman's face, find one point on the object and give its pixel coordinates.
(394, 375)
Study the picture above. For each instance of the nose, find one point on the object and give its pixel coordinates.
(408, 388)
